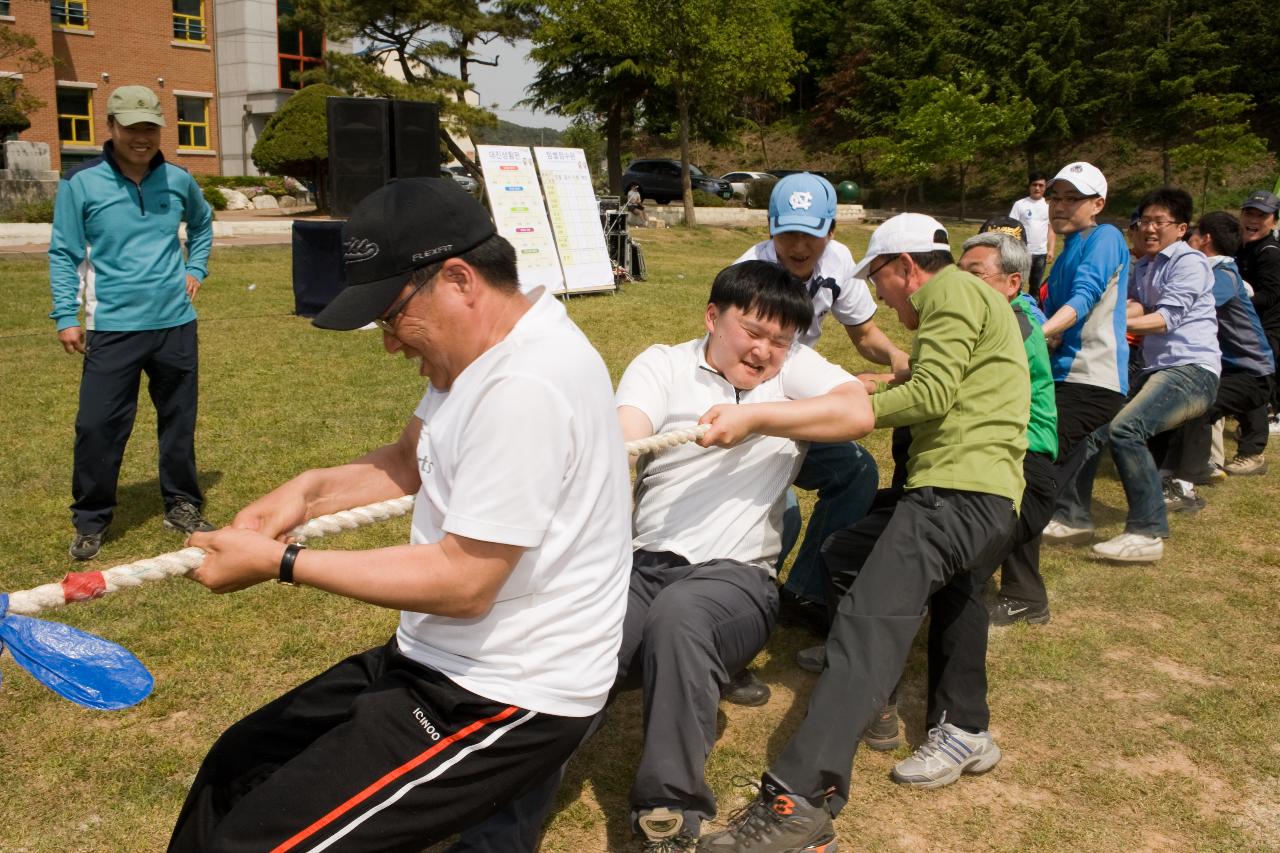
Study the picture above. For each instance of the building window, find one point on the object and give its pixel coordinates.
(75, 116)
(193, 122)
(71, 13)
(188, 20)
(4, 7)
(300, 50)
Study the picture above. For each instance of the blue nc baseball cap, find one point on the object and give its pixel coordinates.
(802, 202)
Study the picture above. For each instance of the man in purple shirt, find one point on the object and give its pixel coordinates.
(1171, 306)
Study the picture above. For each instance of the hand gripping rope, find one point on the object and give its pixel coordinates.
(99, 674)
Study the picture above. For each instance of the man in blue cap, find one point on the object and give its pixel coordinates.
(802, 224)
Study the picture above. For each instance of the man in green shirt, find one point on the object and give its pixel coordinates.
(967, 404)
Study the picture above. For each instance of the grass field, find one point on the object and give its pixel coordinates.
(1143, 717)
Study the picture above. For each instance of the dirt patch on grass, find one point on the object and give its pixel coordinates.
(1175, 670)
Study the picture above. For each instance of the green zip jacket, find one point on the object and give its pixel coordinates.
(969, 396)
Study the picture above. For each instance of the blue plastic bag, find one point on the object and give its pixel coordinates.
(77, 665)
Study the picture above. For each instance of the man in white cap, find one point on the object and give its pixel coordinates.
(802, 224)
(138, 298)
(1085, 303)
(967, 404)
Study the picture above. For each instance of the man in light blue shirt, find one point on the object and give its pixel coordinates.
(115, 255)
(1171, 306)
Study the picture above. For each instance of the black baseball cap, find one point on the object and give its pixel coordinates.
(405, 224)
(1005, 225)
(1262, 200)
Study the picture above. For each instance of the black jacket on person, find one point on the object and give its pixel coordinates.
(1259, 264)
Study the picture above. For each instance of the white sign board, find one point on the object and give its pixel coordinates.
(575, 219)
(511, 183)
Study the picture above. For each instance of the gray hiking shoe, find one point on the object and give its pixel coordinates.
(949, 753)
(186, 517)
(783, 823)
(86, 545)
(882, 734)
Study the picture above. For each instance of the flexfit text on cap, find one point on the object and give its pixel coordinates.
(405, 224)
(1267, 202)
(1004, 225)
(1085, 177)
(130, 105)
(802, 202)
(906, 233)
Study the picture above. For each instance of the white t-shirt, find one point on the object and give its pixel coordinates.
(525, 449)
(1034, 216)
(832, 287)
(709, 503)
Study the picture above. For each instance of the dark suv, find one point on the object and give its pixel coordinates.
(660, 180)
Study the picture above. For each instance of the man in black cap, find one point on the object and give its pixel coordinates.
(512, 590)
(1259, 263)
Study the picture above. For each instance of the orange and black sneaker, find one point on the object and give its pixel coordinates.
(776, 822)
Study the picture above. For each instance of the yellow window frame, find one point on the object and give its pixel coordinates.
(63, 19)
(192, 125)
(184, 21)
(87, 117)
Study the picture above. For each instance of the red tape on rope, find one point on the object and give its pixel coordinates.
(83, 586)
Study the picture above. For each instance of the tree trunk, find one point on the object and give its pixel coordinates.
(962, 192)
(686, 186)
(613, 146)
(1166, 164)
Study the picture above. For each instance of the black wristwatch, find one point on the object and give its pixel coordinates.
(286, 563)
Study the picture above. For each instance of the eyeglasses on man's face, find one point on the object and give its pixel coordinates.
(387, 322)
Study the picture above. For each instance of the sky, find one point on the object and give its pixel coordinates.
(505, 84)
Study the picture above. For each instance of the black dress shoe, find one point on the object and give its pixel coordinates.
(745, 689)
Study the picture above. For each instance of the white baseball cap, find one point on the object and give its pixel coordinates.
(910, 233)
(1085, 177)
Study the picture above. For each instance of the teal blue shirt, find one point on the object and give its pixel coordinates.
(122, 237)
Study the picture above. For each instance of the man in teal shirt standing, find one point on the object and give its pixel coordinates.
(967, 402)
(115, 253)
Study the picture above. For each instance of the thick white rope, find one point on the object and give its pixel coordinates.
(48, 596)
(664, 440)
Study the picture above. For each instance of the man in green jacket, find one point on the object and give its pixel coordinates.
(967, 403)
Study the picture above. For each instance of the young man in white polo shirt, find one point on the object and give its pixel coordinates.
(802, 224)
(707, 532)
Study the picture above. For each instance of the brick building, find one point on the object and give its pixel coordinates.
(182, 50)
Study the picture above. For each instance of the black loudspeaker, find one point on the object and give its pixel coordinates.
(359, 150)
(415, 139)
(318, 275)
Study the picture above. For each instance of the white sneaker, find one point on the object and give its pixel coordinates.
(1064, 534)
(945, 756)
(1273, 426)
(1131, 548)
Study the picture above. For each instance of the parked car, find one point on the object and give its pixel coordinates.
(741, 181)
(462, 176)
(660, 180)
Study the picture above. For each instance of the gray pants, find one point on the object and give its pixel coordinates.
(688, 630)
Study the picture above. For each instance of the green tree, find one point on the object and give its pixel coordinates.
(587, 70)
(18, 52)
(1221, 142)
(1164, 56)
(942, 126)
(295, 141)
(419, 36)
(709, 53)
